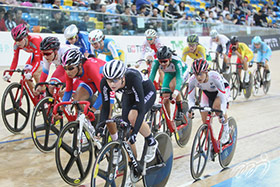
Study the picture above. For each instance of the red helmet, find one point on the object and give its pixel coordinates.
(19, 32)
(199, 65)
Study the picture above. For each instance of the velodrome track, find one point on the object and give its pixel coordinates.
(258, 145)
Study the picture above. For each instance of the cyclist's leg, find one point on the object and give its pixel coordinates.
(179, 114)
(165, 89)
(204, 102)
(238, 61)
(161, 76)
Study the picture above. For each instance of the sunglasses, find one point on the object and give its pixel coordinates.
(163, 61)
(149, 39)
(19, 40)
(192, 45)
(47, 54)
(69, 68)
(113, 80)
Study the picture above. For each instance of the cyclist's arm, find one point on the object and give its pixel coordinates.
(37, 57)
(267, 53)
(219, 83)
(230, 51)
(113, 50)
(45, 72)
(202, 52)
(105, 111)
(69, 88)
(179, 75)
(98, 102)
(191, 91)
(155, 66)
(85, 44)
(95, 73)
(15, 59)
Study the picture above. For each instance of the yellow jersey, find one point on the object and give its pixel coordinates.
(200, 52)
(244, 50)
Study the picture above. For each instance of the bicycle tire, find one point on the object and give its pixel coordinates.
(184, 129)
(67, 147)
(23, 109)
(158, 176)
(266, 84)
(201, 152)
(256, 82)
(184, 91)
(248, 89)
(226, 155)
(43, 133)
(103, 164)
(234, 86)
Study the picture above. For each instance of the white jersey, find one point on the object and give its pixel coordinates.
(223, 40)
(157, 44)
(215, 83)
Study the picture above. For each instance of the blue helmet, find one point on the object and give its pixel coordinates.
(256, 40)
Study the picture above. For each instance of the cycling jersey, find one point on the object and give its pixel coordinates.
(155, 46)
(176, 69)
(264, 52)
(215, 86)
(111, 50)
(33, 47)
(223, 42)
(56, 61)
(138, 93)
(92, 74)
(197, 54)
(244, 50)
(82, 43)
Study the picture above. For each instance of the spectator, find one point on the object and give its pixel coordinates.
(57, 25)
(181, 8)
(249, 18)
(18, 18)
(270, 12)
(133, 10)
(236, 17)
(57, 4)
(207, 10)
(125, 19)
(173, 9)
(111, 6)
(201, 17)
(2, 20)
(103, 17)
(120, 7)
(161, 5)
(156, 19)
(244, 7)
(225, 11)
(220, 20)
(228, 19)
(9, 20)
(265, 8)
(11, 2)
(143, 11)
(211, 17)
(140, 3)
(96, 6)
(83, 24)
(260, 19)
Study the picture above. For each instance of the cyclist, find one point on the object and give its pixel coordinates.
(77, 38)
(264, 54)
(139, 95)
(244, 55)
(215, 93)
(223, 44)
(52, 52)
(194, 50)
(173, 69)
(105, 46)
(30, 44)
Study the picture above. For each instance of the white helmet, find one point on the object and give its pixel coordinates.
(95, 36)
(213, 34)
(151, 33)
(114, 69)
(71, 31)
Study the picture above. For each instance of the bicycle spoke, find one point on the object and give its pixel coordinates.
(40, 127)
(16, 119)
(80, 167)
(54, 129)
(47, 136)
(67, 148)
(69, 165)
(12, 98)
(25, 114)
(10, 111)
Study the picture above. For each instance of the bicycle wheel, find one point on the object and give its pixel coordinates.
(184, 127)
(14, 108)
(266, 84)
(104, 172)
(256, 82)
(184, 91)
(234, 86)
(226, 155)
(156, 173)
(200, 151)
(73, 165)
(248, 88)
(44, 133)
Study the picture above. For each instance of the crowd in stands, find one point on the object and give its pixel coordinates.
(263, 13)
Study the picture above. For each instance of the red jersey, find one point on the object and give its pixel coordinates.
(33, 47)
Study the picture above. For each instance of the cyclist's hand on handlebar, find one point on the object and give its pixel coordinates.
(58, 115)
(28, 76)
(7, 78)
(132, 138)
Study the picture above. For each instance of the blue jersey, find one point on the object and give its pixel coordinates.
(110, 49)
(264, 52)
(83, 42)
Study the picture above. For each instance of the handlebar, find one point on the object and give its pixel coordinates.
(14, 70)
(207, 108)
(56, 84)
(72, 103)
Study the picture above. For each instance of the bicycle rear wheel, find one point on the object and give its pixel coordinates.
(184, 128)
(104, 172)
(44, 133)
(256, 82)
(227, 153)
(234, 86)
(266, 84)
(157, 173)
(247, 91)
(73, 166)
(14, 108)
(200, 151)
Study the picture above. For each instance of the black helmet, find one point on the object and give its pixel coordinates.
(49, 43)
(164, 53)
(193, 39)
(233, 40)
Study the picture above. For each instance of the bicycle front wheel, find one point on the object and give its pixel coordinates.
(200, 151)
(256, 82)
(104, 172)
(234, 86)
(44, 133)
(227, 153)
(159, 169)
(15, 108)
(266, 84)
(73, 164)
(248, 89)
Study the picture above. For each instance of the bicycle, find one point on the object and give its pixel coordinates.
(73, 153)
(19, 104)
(181, 129)
(204, 137)
(43, 126)
(109, 171)
(236, 86)
(259, 80)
